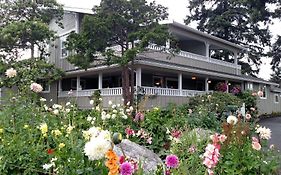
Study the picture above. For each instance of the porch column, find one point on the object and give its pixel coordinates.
(207, 52)
(59, 88)
(236, 62)
(206, 84)
(100, 80)
(138, 77)
(78, 87)
(180, 83)
(168, 44)
(227, 87)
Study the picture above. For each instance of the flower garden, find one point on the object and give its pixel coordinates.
(206, 136)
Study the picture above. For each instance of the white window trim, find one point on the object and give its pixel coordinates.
(62, 38)
(47, 91)
(276, 95)
(250, 86)
(260, 88)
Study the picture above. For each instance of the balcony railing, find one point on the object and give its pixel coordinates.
(146, 90)
(196, 57)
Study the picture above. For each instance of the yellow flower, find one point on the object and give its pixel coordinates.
(1, 130)
(25, 126)
(69, 129)
(86, 135)
(61, 145)
(56, 132)
(44, 129)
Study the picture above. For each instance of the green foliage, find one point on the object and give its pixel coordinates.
(216, 102)
(238, 22)
(28, 71)
(189, 150)
(24, 25)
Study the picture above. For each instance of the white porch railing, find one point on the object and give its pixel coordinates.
(146, 90)
(196, 57)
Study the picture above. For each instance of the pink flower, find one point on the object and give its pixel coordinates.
(176, 133)
(126, 169)
(129, 131)
(248, 116)
(149, 140)
(139, 117)
(254, 139)
(211, 155)
(192, 149)
(252, 109)
(35, 87)
(260, 93)
(222, 138)
(256, 146)
(172, 161)
(210, 172)
(254, 94)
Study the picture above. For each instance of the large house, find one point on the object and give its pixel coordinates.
(191, 71)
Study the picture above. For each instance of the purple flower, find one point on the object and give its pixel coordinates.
(172, 161)
(139, 117)
(126, 168)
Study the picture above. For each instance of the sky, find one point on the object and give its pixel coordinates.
(177, 11)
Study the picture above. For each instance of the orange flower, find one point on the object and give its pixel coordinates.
(112, 162)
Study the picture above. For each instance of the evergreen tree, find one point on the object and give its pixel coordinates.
(275, 53)
(243, 22)
(118, 30)
(276, 75)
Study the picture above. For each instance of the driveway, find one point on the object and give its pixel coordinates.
(275, 125)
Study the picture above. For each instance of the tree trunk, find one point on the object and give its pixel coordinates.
(126, 84)
(132, 83)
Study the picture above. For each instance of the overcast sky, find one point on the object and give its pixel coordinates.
(177, 12)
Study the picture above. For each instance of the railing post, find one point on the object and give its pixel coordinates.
(138, 77)
(227, 87)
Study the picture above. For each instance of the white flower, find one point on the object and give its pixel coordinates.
(89, 118)
(69, 129)
(91, 102)
(113, 106)
(67, 104)
(10, 73)
(113, 116)
(128, 103)
(264, 133)
(124, 116)
(56, 112)
(96, 148)
(94, 131)
(46, 107)
(48, 166)
(232, 119)
(97, 108)
(35, 87)
(57, 106)
(100, 99)
(114, 111)
(107, 116)
(67, 110)
(109, 103)
(131, 108)
(43, 99)
(128, 110)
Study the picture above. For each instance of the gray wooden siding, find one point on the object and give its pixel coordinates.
(267, 105)
(68, 22)
(52, 96)
(183, 61)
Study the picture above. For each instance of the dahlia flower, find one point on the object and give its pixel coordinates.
(35, 87)
(10, 73)
(232, 119)
(264, 133)
(172, 161)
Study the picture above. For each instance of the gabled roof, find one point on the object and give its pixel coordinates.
(195, 31)
(257, 80)
(78, 10)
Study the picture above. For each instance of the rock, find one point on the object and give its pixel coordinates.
(149, 159)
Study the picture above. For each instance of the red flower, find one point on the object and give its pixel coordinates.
(50, 151)
(122, 159)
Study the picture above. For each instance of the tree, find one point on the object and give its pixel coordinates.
(24, 25)
(275, 53)
(241, 22)
(118, 30)
(276, 75)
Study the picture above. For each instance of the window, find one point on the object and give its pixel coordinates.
(250, 86)
(276, 98)
(64, 51)
(172, 83)
(263, 89)
(45, 85)
(68, 84)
